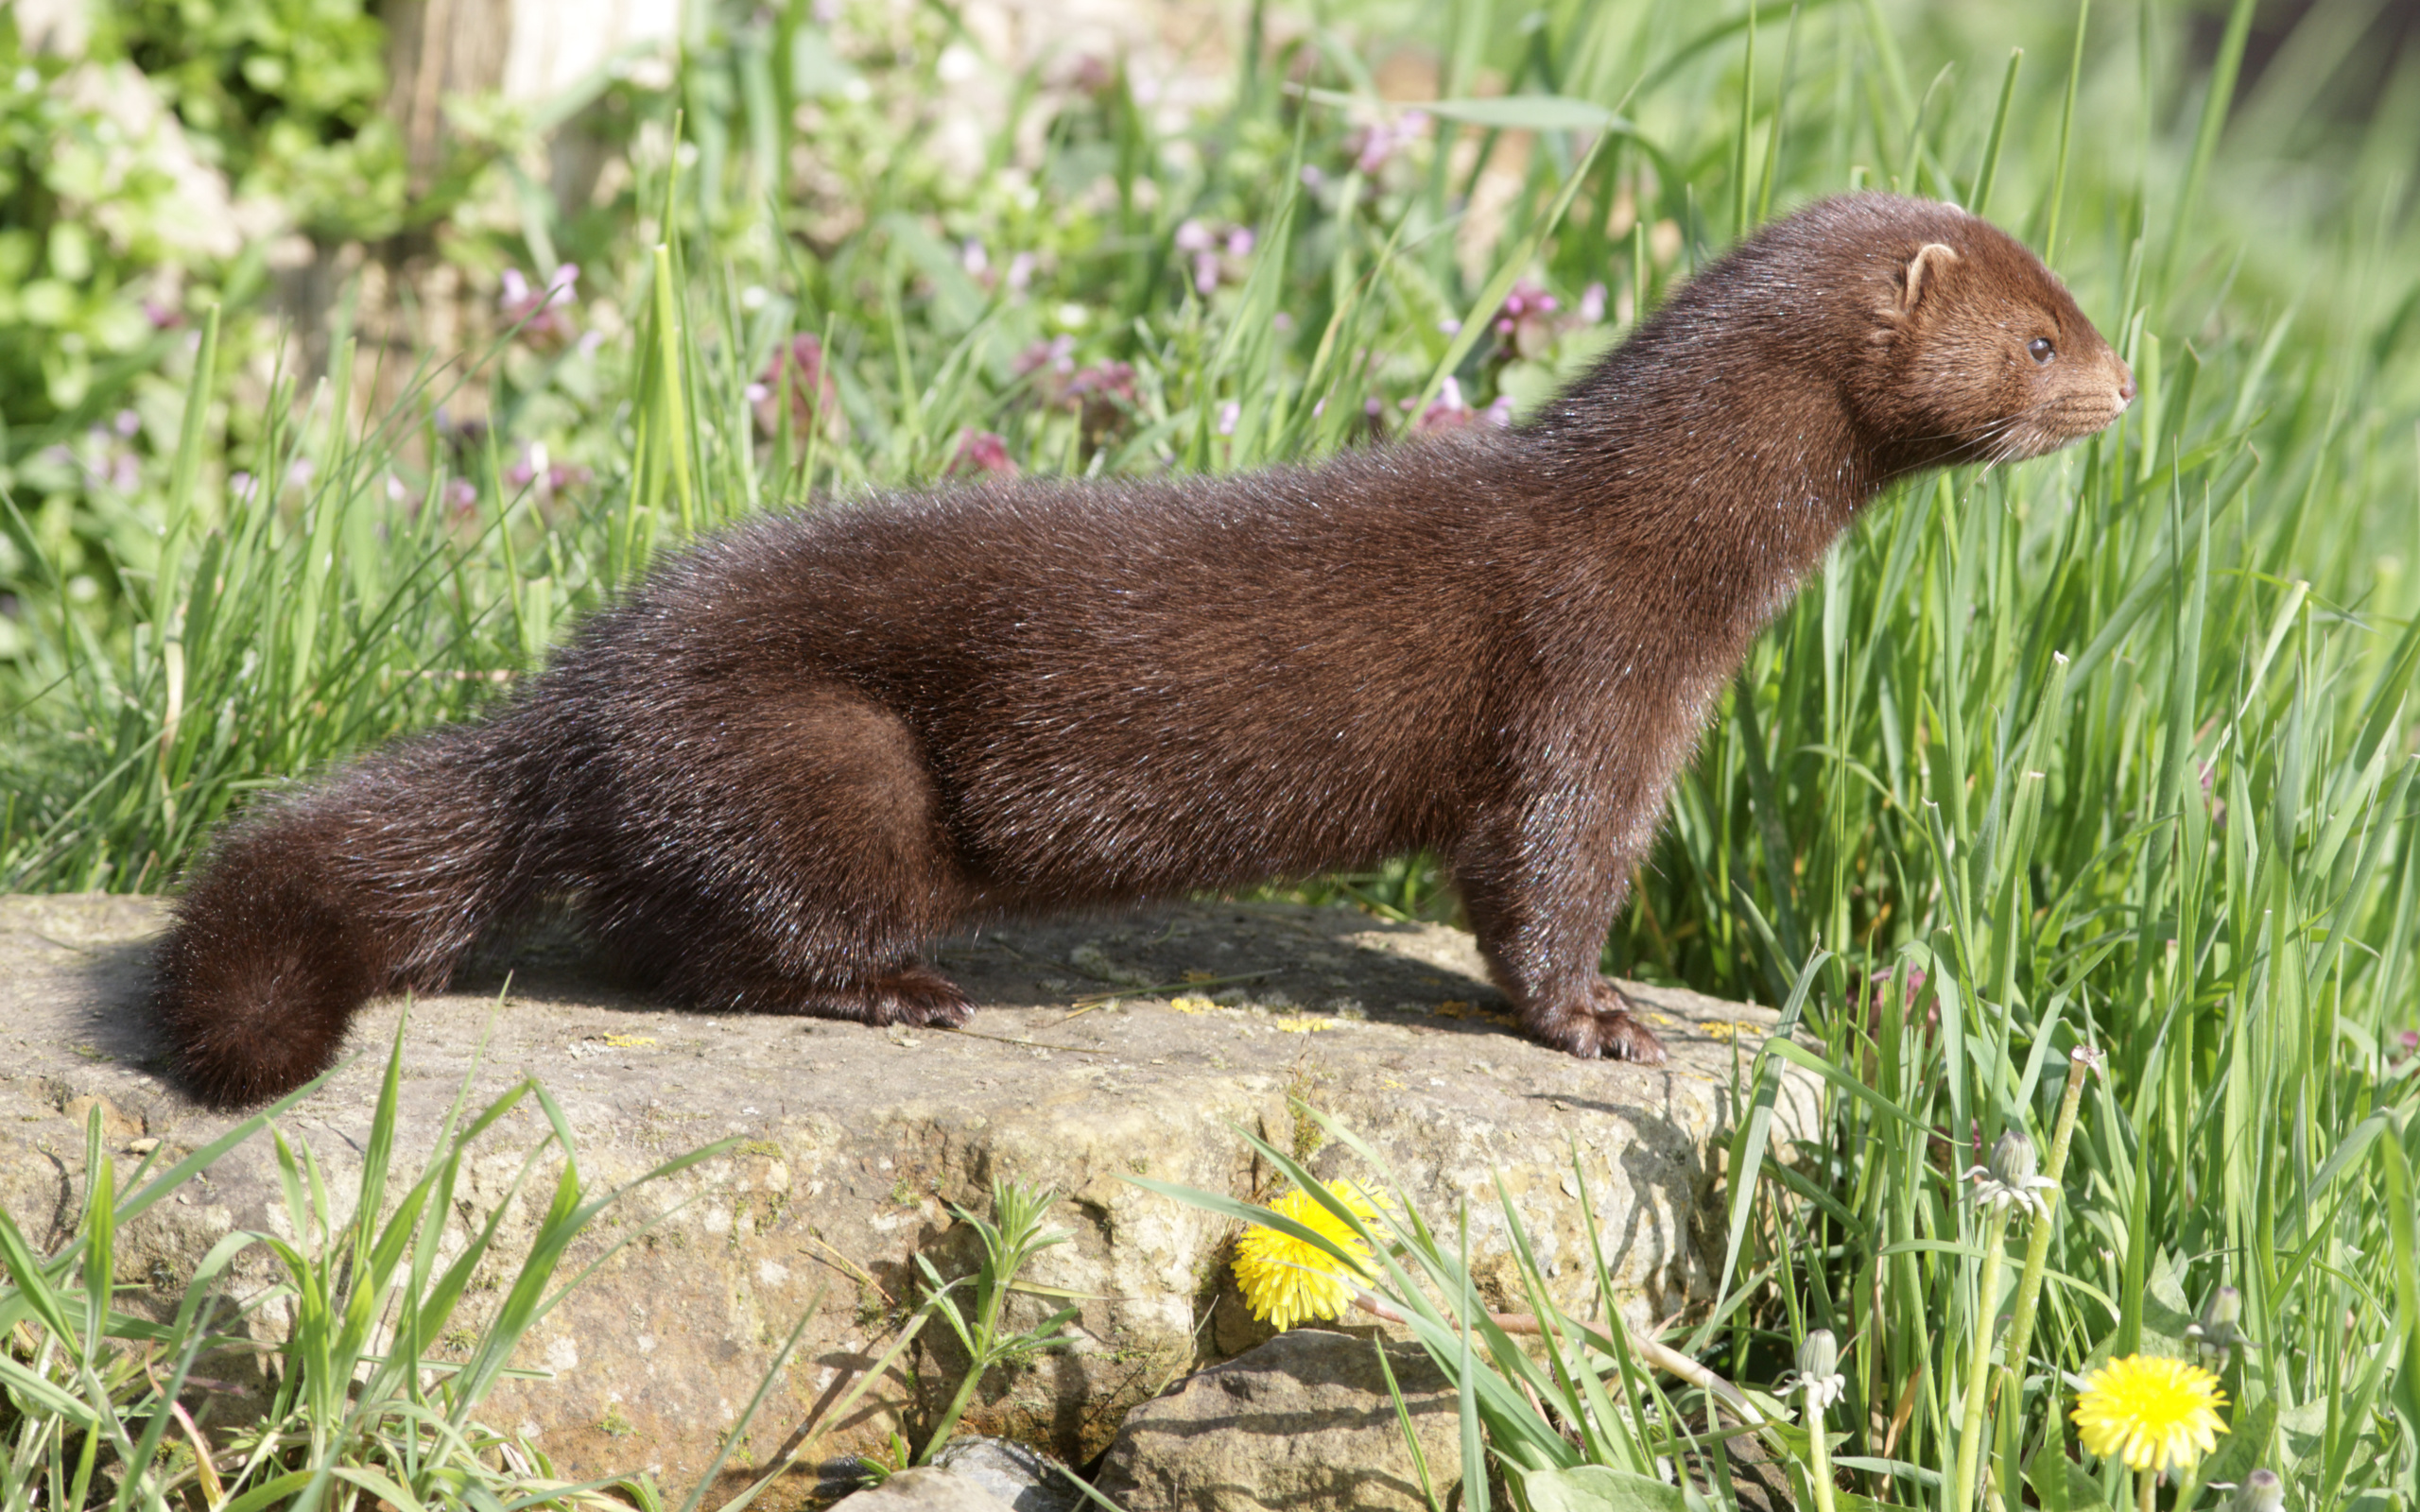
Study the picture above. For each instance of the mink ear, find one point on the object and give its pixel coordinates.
(1923, 271)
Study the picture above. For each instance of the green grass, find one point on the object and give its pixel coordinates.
(377, 1390)
(2114, 748)
(380, 1384)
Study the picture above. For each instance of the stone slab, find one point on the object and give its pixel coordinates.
(1305, 1420)
(1111, 1047)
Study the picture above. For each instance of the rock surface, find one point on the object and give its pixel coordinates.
(1302, 1420)
(1024, 1477)
(1111, 1048)
(923, 1489)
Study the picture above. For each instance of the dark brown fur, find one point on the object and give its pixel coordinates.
(806, 748)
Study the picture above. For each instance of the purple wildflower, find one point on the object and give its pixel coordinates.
(983, 452)
(798, 365)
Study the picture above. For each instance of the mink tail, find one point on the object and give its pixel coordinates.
(377, 880)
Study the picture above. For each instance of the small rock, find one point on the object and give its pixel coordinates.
(1026, 1479)
(923, 1489)
(1302, 1423)
(118, 1127)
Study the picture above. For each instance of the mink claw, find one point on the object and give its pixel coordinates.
(1620, 1036)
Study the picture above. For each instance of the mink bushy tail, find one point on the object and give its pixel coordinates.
(377, 880)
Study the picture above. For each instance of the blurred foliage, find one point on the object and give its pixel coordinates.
(282, 95)
(150, 173)
(89, 236)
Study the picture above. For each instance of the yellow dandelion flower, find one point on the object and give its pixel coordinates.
(2153, 1412)
(1287, 1281)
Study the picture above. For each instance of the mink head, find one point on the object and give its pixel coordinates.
(1973, 350)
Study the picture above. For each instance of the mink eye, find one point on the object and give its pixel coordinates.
(2042, 349)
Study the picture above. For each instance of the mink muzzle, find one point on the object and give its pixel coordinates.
(801, 749)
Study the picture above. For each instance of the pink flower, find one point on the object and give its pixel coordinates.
(798, 365)
(542, 314)
(1103, 379)
(1528, 316)
(1102, 396)
(1058, 356)
(1448, 413)
(1880, 981)
(982, 453)
(1217, 256)
(1381, 143)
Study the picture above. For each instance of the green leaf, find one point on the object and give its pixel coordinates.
(2059, 1483)
(1597, 1488)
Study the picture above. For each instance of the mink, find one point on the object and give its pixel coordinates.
(804, 748)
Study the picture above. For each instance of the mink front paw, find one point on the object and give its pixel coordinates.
(1620, 1036)
(1605, 1029)
(918, 996)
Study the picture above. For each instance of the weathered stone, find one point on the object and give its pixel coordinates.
(1024, 1477)
(925, 1488)
(1304, 1421)
(853, 1142)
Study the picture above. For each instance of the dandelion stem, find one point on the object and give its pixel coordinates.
(1818, 1386)
(2029, 1282)
(1970, 1438)
(2038, 1240)
(1819, 1457)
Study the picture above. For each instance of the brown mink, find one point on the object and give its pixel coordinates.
(806, 746)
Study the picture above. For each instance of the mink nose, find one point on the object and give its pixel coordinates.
(2125, 385)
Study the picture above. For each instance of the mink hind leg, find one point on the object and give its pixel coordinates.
(1541, 921)
(795, 863)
